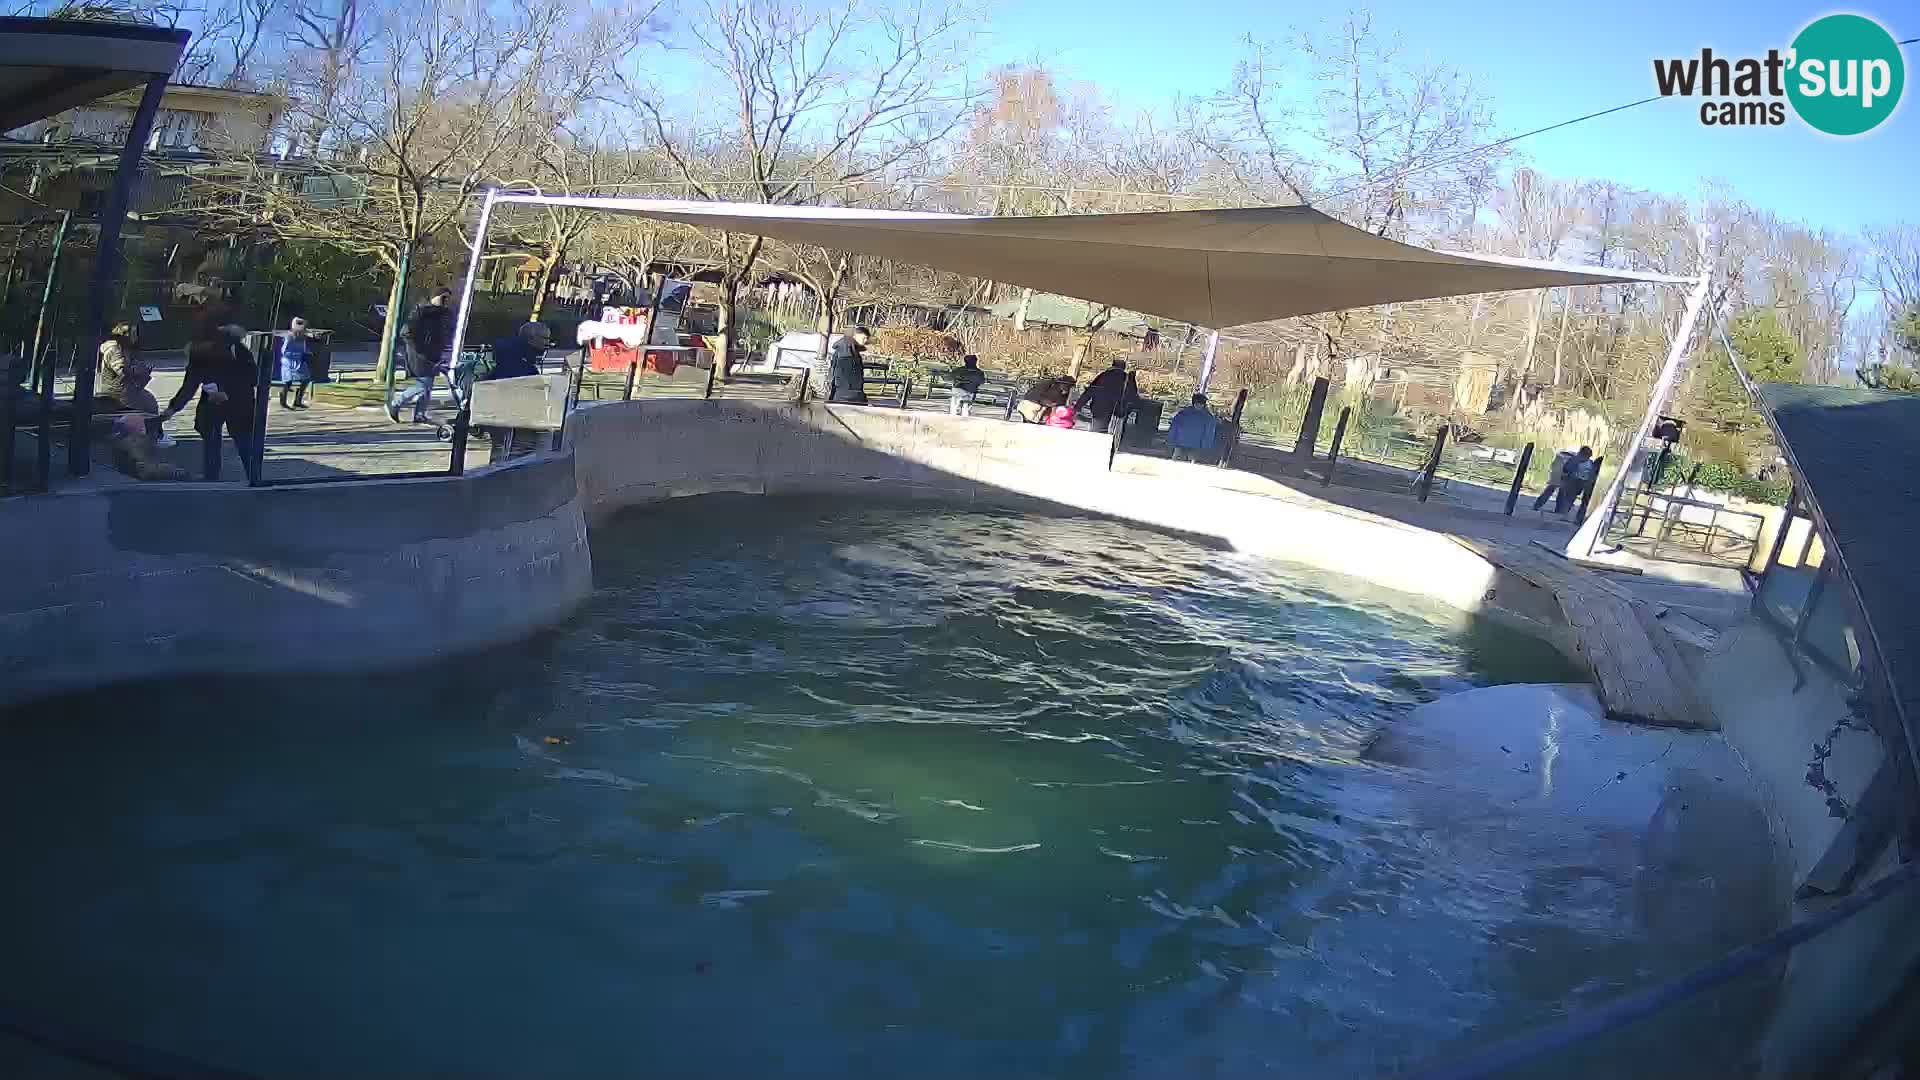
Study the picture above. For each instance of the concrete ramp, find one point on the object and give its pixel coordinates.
(1638, 667)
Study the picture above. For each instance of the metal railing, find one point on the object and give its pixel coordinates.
(1660, 525)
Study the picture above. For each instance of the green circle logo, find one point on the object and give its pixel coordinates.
(1846, 74)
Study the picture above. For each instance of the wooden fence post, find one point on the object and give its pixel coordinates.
(1519, 477)
(1333, 452)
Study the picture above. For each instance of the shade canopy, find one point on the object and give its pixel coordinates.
(1214, 268)
(48, 66)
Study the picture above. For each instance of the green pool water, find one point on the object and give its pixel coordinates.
(813, 790)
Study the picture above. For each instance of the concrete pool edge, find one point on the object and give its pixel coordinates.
(383, 573)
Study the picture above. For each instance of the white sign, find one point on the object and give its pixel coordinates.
(149, 313)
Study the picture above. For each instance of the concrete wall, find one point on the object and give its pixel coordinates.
(630, 453)
(177, 579)
(1812, 757)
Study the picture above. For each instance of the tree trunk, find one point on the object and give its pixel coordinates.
(548, 264)
(1560, 340)
(1020, 313)
(395, 301)
(1082, 345)
(1526, 357)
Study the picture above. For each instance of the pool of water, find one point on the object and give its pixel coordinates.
(819, 791)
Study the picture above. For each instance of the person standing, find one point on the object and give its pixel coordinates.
(124, 377)
(849, 383)
(429, 336)
(1107, 396)
(1194, 431)
(516, 357)
(295, 374)
(967, 380)
(222, 371)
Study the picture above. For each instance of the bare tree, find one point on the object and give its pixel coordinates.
(820, 99)
(433, 104)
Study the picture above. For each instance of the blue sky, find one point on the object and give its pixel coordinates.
(1539, 63)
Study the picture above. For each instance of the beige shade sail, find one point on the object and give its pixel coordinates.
(1213, 268)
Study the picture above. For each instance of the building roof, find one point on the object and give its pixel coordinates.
(1212, 268)
(1855, 455)
(48, 66)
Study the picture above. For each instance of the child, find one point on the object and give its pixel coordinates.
(967, 380)
(1060, 416)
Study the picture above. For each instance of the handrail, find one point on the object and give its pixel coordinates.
(1521, 1049)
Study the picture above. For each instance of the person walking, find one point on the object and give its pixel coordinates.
(1107, 396)
(967, 380)
(295, 373)
(429, 336)
(223, 372)
(1565, 478)
(124, 377)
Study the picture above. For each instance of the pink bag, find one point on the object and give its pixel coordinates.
(1061, 417)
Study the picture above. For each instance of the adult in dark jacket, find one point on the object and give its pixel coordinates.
(429, 336)
(849, 377)
(222, 371)
(1107, 396)
(516, 357)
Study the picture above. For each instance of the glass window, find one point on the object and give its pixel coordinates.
(1829, 636)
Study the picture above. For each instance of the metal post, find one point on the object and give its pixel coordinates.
(46, 299)
(1586, 493)
(1013, 400)
(473, 268)
(1433, 463)
(1333, 452)
(573, 398)
(1519, 477)
(43, 459)
(709, 390)
(1587, 536)
(800, 387)
(906, 385)
(253, 458)
(1310, 423)
(1206, 361)
(462, 423)
(107, 267)
(633, 371)
(1233, 432)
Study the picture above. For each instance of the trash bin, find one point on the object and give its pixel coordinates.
(1144, 427)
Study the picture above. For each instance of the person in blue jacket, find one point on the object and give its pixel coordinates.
(1194, 431)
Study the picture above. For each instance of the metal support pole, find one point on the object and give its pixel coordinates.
(107, 268)
(1206, 361)
(1310, 423)
(906, 386)
(43, 454)
(38, 356)
(708, 392)
(462, 424)
(800, 387)
(1433, 463)
(253, 457)
(1013, 400)
(633, 372)
(1587, 536)
(1233, 432)
(1333, 452)
(1519, 477)
(573, 398)
(473, 269)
